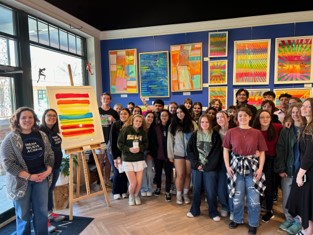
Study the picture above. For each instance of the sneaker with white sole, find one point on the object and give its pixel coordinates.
(124, 195)
(216, 218)
(131, 200)
(149, 194)
(51, 228)
(143, 194)
(116, 196)
(294, 228)
(56, 217)
(224, 213)
(186, 199)
(285, 225)
(231, 216)
(137, 200)
(168, 197)
(179, 199)
(190, 215)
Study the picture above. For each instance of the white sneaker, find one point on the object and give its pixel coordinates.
(131, 200)
(186, 199)
(190, 215)
(179, 199)
(137, 200)
(231, 217)
(116, 196)
(224, 213)
(149, 194)
(217, 218)
(124, 195)
(143, 194)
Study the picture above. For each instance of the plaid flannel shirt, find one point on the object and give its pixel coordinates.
(242, 165)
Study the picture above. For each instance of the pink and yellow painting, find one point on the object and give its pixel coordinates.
(123, 71)
(78, 115)
(186, 67)
(218, 42)
(293, 60)
(301, 93)
(251, 62)
(218, 72)
(255, 97)
(219, 92)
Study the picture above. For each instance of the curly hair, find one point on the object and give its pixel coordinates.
(15, 119)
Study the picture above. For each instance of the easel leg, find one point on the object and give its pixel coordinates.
(101, 177)
(71, 187)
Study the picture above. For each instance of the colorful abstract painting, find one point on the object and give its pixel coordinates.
(123, 71)
(78, 115)
(251, 62)
(218, 72)
(186, 67)
(255, 97)
(218, 42)
(219, 92)
(154, 74)
(301, 93)
(293, 60)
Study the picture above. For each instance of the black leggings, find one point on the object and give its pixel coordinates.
(159, 165)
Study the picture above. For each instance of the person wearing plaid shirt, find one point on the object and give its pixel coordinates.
(245, 169)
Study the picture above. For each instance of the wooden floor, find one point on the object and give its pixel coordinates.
(155, 216)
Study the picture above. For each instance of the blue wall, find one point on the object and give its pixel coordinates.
(163, 43)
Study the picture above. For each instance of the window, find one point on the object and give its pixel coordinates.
(7, 20)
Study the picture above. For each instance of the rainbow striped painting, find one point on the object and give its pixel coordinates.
(251, 62)
(218, 72)
(123, 71)
(218, 42)
(78, 115)
(293, 60)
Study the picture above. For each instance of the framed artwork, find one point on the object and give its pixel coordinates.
(154, 74)
(218, 42)
(302, 93)
(251, 62)
(219, 92)
(218, 72)
(293, 60)
(255, 97)
(123, 71)
(186, 67)
(78, 115)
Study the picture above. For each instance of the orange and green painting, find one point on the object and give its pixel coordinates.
(219, 92)
(293, 60)
(218, 72)
(301, 93)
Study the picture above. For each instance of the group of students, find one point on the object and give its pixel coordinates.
(228, 156)
(31, 155)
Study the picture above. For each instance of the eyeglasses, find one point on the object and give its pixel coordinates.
(51, 115)
(242, 95)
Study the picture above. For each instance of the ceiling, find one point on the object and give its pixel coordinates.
(113, 15)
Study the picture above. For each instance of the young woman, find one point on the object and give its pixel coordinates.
(150, 155)
(133, 142)
(50, 126)
(245, 169)
(204, 153)
(161, 161)
(180, 130)
(28, 160)
(300, 200)
(188, 104)
(119, 187)
(196, 111)
(287, 162)
(224, 123)
(217, 104)
(270, 131)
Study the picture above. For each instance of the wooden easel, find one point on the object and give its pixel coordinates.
(82, 158)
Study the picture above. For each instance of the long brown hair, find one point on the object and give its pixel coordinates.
(15, 119)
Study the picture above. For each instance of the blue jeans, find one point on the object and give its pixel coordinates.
(148, 175)
(245, 185)
(222, 189)
(55, 176)
(207, 179)
(33, 206)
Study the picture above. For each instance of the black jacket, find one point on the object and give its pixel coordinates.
(214, 156)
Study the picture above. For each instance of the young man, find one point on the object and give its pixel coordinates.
(108, 116)
(283, 102)
(242, 96)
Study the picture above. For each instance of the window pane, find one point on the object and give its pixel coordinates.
(55, 73)
(32, 29)
(54, 36)
(79, 46)
(6, 98)
(8, 51)
(63, 41)
(6, 20)
(43, 33)
(72, 43)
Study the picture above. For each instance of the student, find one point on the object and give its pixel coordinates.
(245, 169)
(28, 160)
(130, 106)
(287, 163)
(204, 153)
(133, 142)
(300, 201)
(242, 97)
(196, 111)
(172, 107)
(50, 126)
(188, 104)
(118, 107)
(217, 104)
(283, 102)
(269, 95)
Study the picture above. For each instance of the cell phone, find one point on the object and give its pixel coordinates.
(304, 178)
